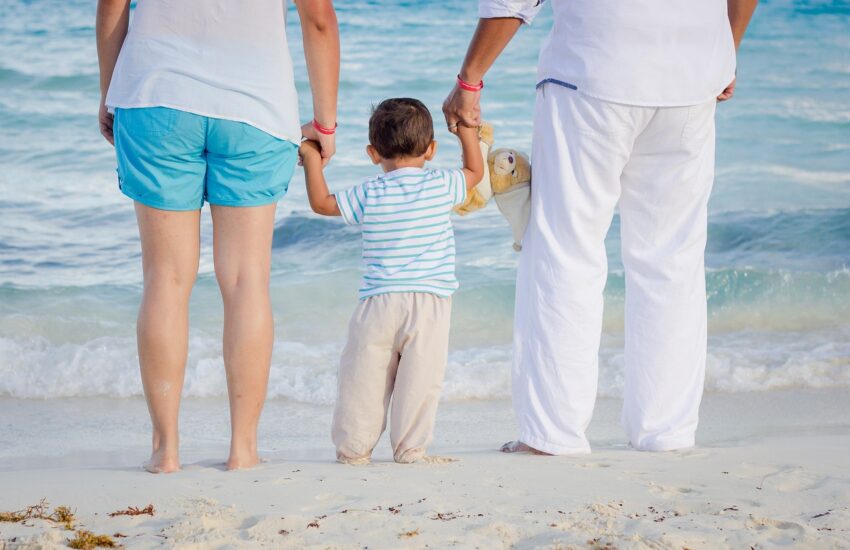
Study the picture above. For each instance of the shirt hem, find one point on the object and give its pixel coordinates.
(541, 81)
(410, 291)
(142, 105)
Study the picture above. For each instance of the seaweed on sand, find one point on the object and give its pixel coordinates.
(86, 540)
(133, 511)
(61, 514)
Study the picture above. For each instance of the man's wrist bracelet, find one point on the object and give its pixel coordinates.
(322, 130)
(464, 85)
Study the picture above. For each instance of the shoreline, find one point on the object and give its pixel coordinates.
(769, 471)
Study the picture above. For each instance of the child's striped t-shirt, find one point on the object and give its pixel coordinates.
(408, 242)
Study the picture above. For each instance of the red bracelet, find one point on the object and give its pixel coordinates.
(322, 130)
(464, 85)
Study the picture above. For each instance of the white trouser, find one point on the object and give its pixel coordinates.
(658, 163)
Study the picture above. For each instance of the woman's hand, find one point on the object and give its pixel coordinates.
(113, 18)
(106, 120)
(327, 142)
(462, 107)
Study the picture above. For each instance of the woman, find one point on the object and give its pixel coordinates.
(199, 100)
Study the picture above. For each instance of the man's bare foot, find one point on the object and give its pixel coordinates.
(520, 447)
(162, 462)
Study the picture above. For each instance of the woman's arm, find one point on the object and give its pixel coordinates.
(321, 51)
(113, 19)
(490, 38)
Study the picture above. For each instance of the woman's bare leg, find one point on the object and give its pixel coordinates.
(170, 251)
(242, 248)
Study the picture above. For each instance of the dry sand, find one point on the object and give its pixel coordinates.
(772, 469)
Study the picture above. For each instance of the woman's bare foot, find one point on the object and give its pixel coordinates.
(162, 462)
(520, 447)
(242, 461)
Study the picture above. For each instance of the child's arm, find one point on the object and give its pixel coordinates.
(473, 163)
(321, 200)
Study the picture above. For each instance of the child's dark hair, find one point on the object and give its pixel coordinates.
(401, 127)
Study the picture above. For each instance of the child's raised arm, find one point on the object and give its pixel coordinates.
(321, 200)
(473, 163)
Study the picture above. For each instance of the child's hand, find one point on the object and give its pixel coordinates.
(310, 152)
(467, 132)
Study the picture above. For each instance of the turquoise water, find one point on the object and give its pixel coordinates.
(779, 240)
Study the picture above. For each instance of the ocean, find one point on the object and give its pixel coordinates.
(778, 254)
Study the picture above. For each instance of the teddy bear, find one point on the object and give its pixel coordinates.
(507, 180)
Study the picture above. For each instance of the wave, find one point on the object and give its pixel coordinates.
(107, 366)
(11, 79)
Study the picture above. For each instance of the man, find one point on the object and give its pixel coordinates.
(626, 96)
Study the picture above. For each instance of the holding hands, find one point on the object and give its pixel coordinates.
(463, 105)
(323, 139)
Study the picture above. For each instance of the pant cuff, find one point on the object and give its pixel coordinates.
(654, 445)
(409, 456)
(345, 459)
(554, 448)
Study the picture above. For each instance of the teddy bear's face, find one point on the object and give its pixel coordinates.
(505, 162)
(508, 168)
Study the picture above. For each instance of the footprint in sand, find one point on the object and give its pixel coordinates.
(594, 465)
(437, 460)
(796, 479)
(778, 530)
(667, 491)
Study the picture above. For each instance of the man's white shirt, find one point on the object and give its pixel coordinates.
(656, 53)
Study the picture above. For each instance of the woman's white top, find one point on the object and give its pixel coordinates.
(657, 53)
(217, 58)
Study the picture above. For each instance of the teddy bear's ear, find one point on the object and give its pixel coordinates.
(522, 172)
(478, 197)
(485, 133)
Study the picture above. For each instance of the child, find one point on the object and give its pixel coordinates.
(398, 335)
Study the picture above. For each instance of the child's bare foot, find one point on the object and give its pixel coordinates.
(520, 447)
(162, 462)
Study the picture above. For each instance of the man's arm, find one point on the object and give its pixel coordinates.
(321, 52)
(321, 200)
(740, 12)
(490, 38)
(113, 19)
(473, 163)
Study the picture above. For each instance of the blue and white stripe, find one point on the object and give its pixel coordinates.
(408, 242)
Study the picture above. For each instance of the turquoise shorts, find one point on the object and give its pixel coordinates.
(174, 160)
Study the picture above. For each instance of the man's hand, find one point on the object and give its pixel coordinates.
(325, 142)
(728, 92)
(490, 38)
(106, 120)
(462, 107)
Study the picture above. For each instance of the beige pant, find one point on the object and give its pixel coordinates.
(397, 346)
